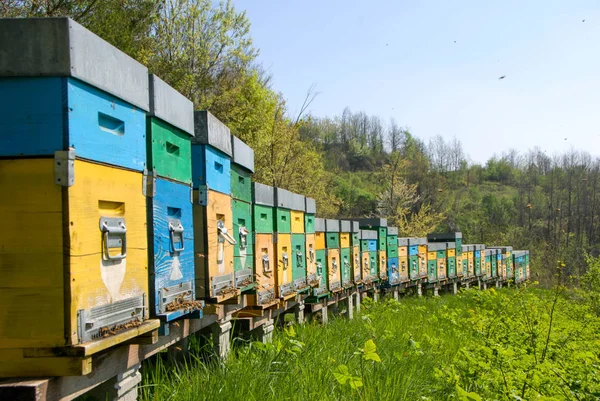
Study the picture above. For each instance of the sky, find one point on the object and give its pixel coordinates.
(434, 66)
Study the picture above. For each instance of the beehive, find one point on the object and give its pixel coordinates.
(243, 248)
(356, 255)
(488, 264)
(368, 239)
(283, 244)
(393, 272)
(265, 261)
(451, 259)
(242, 167)
(346, 253)
(300, 260)
(380, 225)
(73, 122)
(468, 260)
(403, 264)
(214, 238)
(417, 248)
(310, 208)
(321, 259)
(170, 126)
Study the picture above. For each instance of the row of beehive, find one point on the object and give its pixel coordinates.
(125, 204)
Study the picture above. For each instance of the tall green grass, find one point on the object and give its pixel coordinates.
(451, 347)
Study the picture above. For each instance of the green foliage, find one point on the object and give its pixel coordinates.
(516, 344)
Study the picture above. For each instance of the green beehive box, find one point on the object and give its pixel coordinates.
(263, 202)
(243, 249)
(169, 131)
(332, 233)
(299, 263)
(346, 267)
(432, 270)
(392, 242)
(169, 151)
(242, 219)
(355, 234)
(374, 265)
(263, 219)
(241, 183)
(321, 264)
(283, 222)
(242, 167)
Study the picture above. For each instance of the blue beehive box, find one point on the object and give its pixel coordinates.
(211, 154)
(170, 228)
(64, 87)
(393, 271)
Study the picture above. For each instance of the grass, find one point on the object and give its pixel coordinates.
(410, 338)
(474, 346)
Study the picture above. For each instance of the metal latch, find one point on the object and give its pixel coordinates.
(319, 270)
(114, 236)
(285, 260)
(64, 167)
(403, 266)
(357, 262)
(394, 268)
(300, 260)
(223, 234)
(243, 237)
(176, 234)
(334, 265)
(311, 255)
(366, 267)
(266, 264)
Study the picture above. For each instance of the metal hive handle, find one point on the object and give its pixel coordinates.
(222, 230)
(111, 227)
(176, 228)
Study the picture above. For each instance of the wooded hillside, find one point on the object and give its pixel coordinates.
(354, 164)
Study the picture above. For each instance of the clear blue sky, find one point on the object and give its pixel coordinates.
(400, 59)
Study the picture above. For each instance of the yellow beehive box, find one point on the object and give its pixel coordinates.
(213, 245)
(422, 261)
(283, 275)
(366, 267)
(345, 240)
(333, 270)
(470, 264)
(320, 241)
(297, 224)
(264, 262)
(77, 272)
(311, 265)
(451, 253)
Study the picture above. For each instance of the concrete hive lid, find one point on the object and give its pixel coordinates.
(319, 225)
(345, 226)
(209, 130)
(60, 47)
(368, 234)
(243, 155)
(283, 198)
(263, 194)
(170, 106)
(311, 205)
(332, 225)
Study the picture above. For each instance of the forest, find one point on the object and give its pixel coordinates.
(353, 164)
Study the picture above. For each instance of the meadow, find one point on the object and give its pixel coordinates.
(506, 344)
